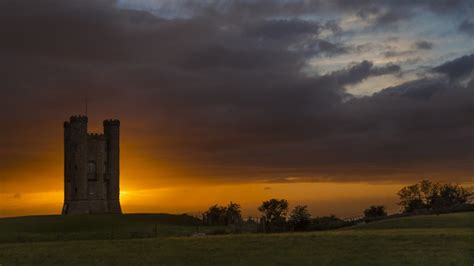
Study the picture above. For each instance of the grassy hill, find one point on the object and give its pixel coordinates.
(92, 227)
(446, 239)
(461, 220)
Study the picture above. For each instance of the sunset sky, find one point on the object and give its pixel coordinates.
(334, 104)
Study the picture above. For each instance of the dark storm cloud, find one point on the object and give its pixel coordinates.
(388, 11)
(315, 47)
(457, 68)
(422, 89)
(416, 47)
(279, 29)
(300, 36)
(392, 16)
(395, 53)
(424, 45)
(358, 72)
(467, 26)
(222, 97)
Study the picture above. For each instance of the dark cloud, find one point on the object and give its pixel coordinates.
(420, 45)
(289, 28)
(279, 29)
(218, 97)
(467, 26)
(392, 16)
(395, 53)
(422, 89)
(423, 45)
(457, 68)
(367, 12)
(314, 47)
(358, 72)
(388, 11)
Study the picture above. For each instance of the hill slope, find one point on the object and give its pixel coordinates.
(103, 226)
(424, 240)
(449, 220)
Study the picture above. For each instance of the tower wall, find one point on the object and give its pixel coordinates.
(91, 168)
(112, 136)
(96, 189)
(75, 151)
(67, 170)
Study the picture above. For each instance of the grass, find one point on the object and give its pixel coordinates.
(94, 227)
(446, 239)
(442, 221)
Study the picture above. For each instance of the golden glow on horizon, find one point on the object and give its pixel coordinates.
(343, 199)
(151, 185)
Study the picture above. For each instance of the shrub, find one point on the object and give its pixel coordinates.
(327, 223)
(219, 215)
(375, 212)
(274, 213)
(300, 218)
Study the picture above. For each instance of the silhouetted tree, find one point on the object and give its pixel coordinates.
(216, 215)
(427, 195)
(274, 212)
(219, 215)
(415, 197)
(375, 211)
(300, 218)
(448, 195)
(233, 214)
(251, 221)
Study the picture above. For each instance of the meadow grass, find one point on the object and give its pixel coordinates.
(442, 221)
(446, 239)
(95, 227)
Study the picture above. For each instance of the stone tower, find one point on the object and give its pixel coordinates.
(91, 168)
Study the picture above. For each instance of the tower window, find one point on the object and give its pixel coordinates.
(91, 167)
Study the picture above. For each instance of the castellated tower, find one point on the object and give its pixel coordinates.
(91, 168)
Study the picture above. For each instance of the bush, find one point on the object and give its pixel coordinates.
(274, 213)
(327, 223)
(375, 212)
(300, 218)
(219, 215)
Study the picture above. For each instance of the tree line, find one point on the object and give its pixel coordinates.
(422, 197)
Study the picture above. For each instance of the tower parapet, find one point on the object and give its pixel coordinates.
(112, 136)
(111, 122)
(96, 136)
(78, 118)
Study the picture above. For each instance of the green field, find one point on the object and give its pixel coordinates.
(446, 239)
(95, 227)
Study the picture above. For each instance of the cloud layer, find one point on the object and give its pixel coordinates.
(236, 90)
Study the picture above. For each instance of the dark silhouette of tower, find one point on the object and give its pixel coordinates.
(91, 168)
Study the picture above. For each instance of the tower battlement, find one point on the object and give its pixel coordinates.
(91, 167)
(78, 118)
(111, 122)
(96, 136)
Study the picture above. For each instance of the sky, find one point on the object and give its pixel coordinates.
(333, 104)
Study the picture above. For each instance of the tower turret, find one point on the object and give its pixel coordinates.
(75, 165)
(112, 136)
